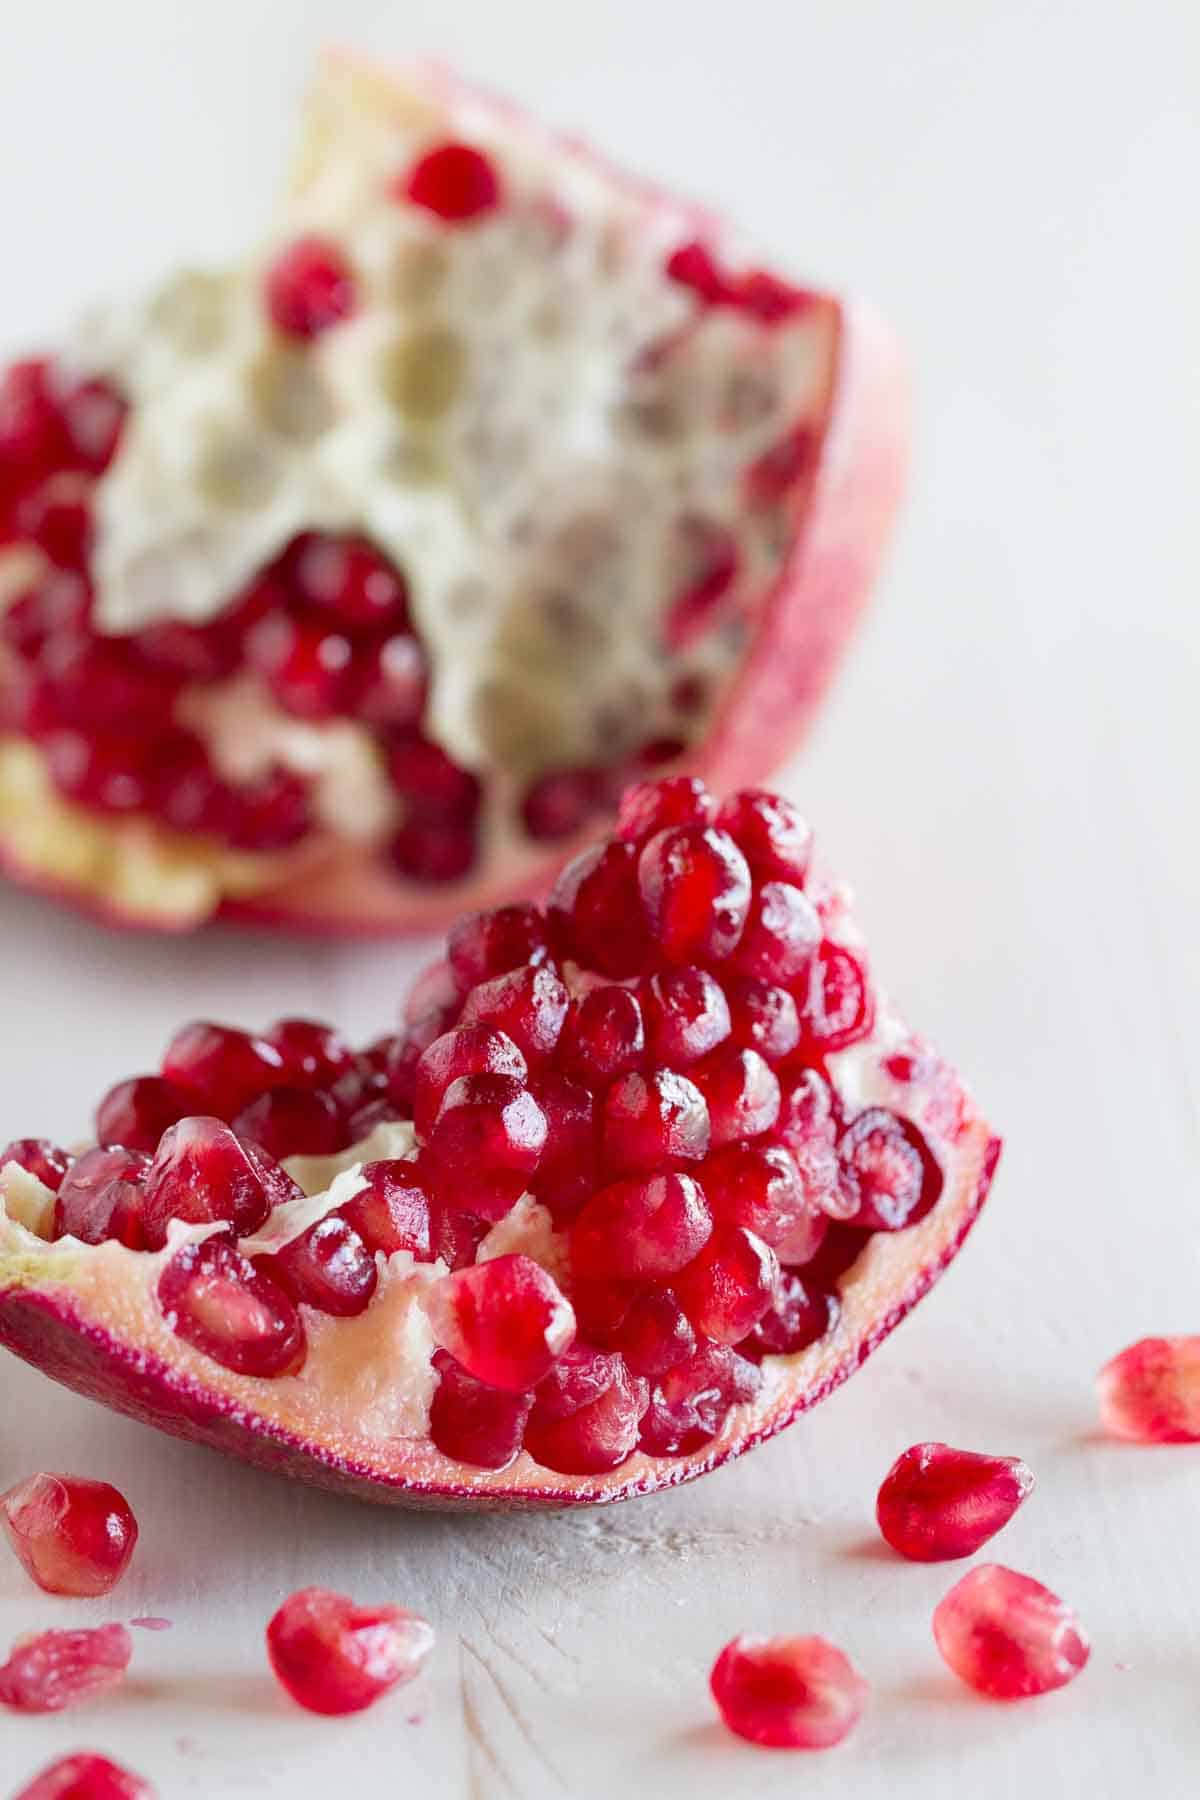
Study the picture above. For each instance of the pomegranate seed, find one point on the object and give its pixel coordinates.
(224, 1068)
(272, 814)
(92, 415)
(559, 804)
(347, 576)
(468, 1050)
(808, 1126)
(305, 663)
(313, 1054)
(762, 1017)
(741, 1092)
(694, 266)
(486, 1143)
(655, 1334)
(772, 833)
(391, 1212)
(86, 1777)
(71, 1536)
(579, 1436)
(334, 1657)
(32, 437)
(190, 652)
(56, 609)
(455, 182)
(711, 556)
(308, 288)
(291, 1121)
(327, 1267)
(218, 1302)
(392, 683)
(686, 1015)
(692, 1400)
(487, 944)
(506, 1321)
(566, 1171)
(781, 936)
(728, 1287)
(1150, 1393)
(432, 783)
(1007, 1636)
(529, 1004)
(695, 889)
(107, 773)
(936, 1503)
(801, 1315)
(407, 1050)
(652, 1120)
(472, 1422)
(651, 806)
(837, 1009)
(38, 1157)
(640, 1229)
(755, 1185)
(58, 1669)
(768, 299)
(605, 1036)
(778, 472)
(202, 1173)
(595, 911)
(789, 1693)
(102, 1196)
(92, 682)
(434, 852)
(434, 990)
(59, 522)
(887, 1171)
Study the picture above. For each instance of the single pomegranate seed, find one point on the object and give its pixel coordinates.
(190, 652)
(486, 1144)
(768, 299)
(836, 1009)
(292, 1121)
(32, 436)
(692, 1400)
(334, 1657)
(223, 1067)
(391, 682)
(801, 1314)
(86, 1777)
(605, 1036)
(327, 1267)
(434, 852)
(454, 1235)
(566, 1171)
(202, 1173)
(102, 1196)
(472, 1422)
(596, 914)
(58, 520)
(695, 888)
(391, 1212)
(72, 1536)
(762, 1017)
(728, 1287)
(652, 1120)
(456, 182)
(107, 773)
(755, 1185)
(559, 804)
(506, 1321)
(492, 943)
(58, 1669)
(651, 806)
(271, 814)
(1007, 1636)
(1150, 1393)
(790, 1693)
(781, 935)
(313, 1054)
(308, 288)
(135, 1113)
(406, 1052)
(640, 1229)
(656, 1334)
(686, 1015)
(92, 415)
(216, 1301)
(183, 788)
(771, 832)
(529, 1004)
(710, 555)
(936, 1503)
(437, 788)
(586, 1436)
(39, 1157)
(468, 1050)
(887, 1170)
(778, 472)
(808, 1125)
(347, 576)
(741, 1092)
(694, 266)
(305, 663)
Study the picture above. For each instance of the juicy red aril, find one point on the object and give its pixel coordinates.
(808, 1125)
(486, 1144)
(59, 522)
(106, 773)
(290, 1121)
(528, 1004)
(135, 1113)
(434, 851)
(773, 835)
(71, 1536)
(190, 652)
(38, 1157)
(454, 1235)
(755, 1185)
(774, 475)
(328, 1267)
(789, 1693)
(695, 889)
(473, 1422)
(493, 943)
(454, 181)
(709, 553)
(728, 1287)
(781, 934)
(741, 1092)
(768, 299)
(313, 1054)
(605, 1036)
(391, 1212)
(406, 1051)
(97, 683)
(652, 1120)
(692, 1400)
(597, 1435)
(202, 1174)
(347, 577)
(656, 1334)
(557, 805)
(305, 663)
(32, 437)
(1007, 1636)
(435, 786)
(219, 1303)
(836, 1009)
(86, 1777)
(469, 1050)
(800, 1314)
(762, 1017)
(580, 1376)
(887, 1171)
(505, 1321)
(686, 1015)
(269, 814)
(391, 682)
(651, 806)
(640, 1229)
(334, 1657)
(937, 1503)
(308, 288)
(596, 914)
(102, 1196)
(566, 1171)
(694, 266)
(222, 1067)
(1150, 1393)
(58, 1669)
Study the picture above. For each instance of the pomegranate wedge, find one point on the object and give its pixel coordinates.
(345, 588)
(597, 1218)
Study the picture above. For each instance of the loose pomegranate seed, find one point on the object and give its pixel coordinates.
(327, 1267)
(1007, 1636)
(1150, 1393)
(271, 814)
(292, 1121)
(781, 935)
(434, 785)
(506, 1321)
(640, 1229)
(762, 1017)
(86, 1777)
(686, 1015)
(656, 1334)
(741, 1092)
(808, 1125)
(456, 182)
(648, 807)
(472, 1422)
(800, 1315)
(559, 804)
(778, 472)
(492, 943)
(391, 1212)
(58, 1669)
(695, 888)
(728, 1287)
(305, 663)
(936, 1503)
(468, 1050)
(755, 1185)
(587, 1436)
(203, 1173)
(604, 1036)
(219, 1303)
(102, 1196)
(692, 1400)
(652, 1120)
(135, 1113)
(529, 1004)
(224, 1068)
(334, 1657)
(790, 1693)
(347, 576)
(39, 1157)
(887, 1170)
(72, 1536)
(566, 1171)
(308, 288)
(596, 914)
(314, 1054)
(486, 1143)
(836, 1008)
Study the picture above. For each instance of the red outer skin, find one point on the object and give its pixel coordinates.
(48, 1328)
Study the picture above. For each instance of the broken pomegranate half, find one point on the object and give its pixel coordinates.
(347, 586)
(637, 1181)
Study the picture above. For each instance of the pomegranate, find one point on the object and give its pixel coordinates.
(1007, 1636)
(72, 1536)
(86, 1776)
(937, 1504)
(347, 586)
(789, 1693)
(57, 1669)
(599, 1216)
(335, 1657)
(1150, 1393)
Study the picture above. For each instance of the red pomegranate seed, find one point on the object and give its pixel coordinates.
(506, 1321)
(270, 814)
(801, 1315)
(695, 888)
(57, 1669)
(768, 299)
(762, 1017)
(102, 1196)
(39, 1157)
(686, 1015)
(202, 1173)
(486, 1143)
(135, 1113)
(656, 1334)
(223, 1067)
(305, 663)
(692, 1400)
(487, 944)
(710, 554)
(652, 1120)
(347, 576)
(59, 521)
(592, 1435)
(468, 1050)
(837, 1009)
(313, 1054)
(755, 1185)
(219, 1303)
(455, 1236)
(648, 807)
(86, 1777)
(566, 1171)
(741, 1092)
(1150, 1393)
(308, 288)
(728, 1287)
(391, 1212)
(327, 1267)
(456, 182)
(1007, 1636)
(108, 773)
(391, 682)
(596, 914)
(789, 1693)
(778, 472)
(808, 1125)
(72, 1536)
(292, 1121)
(580, 1376)
(92, 415)
(529, 1004)
(433, 852)
(781, 935)
(334, 1657)
(100, 685)
(32, 436)
(605, 1036)
(57, 608)
(936, 1503)
(887, 1171)
(559, 804)
(433, 784)
(472, 1422)
(434, 990)
(640, 1229)
(694, 266)
(190, 652)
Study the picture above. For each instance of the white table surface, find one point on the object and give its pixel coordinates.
(1007, 772)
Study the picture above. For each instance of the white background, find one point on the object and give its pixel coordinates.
(1008, 772)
